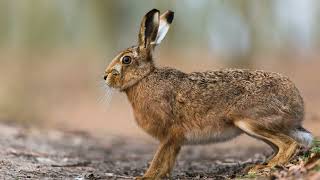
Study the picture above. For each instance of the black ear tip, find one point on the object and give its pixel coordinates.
(153, 11)
(170, 16)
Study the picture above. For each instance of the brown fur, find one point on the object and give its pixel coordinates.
(180, 108)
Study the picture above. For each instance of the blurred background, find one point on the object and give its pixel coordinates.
(53, 53)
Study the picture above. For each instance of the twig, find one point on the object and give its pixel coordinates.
(85, 163)
(119, 176)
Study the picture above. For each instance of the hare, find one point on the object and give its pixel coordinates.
(180, 108)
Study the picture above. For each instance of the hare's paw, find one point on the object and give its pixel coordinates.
(153, 177)
(259, 169)
(145, 178)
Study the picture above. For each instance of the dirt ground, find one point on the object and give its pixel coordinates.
(51, 154)
(31, 153)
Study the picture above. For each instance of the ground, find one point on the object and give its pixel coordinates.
(52, 154)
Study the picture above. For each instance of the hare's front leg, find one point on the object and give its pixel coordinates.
(163, 160)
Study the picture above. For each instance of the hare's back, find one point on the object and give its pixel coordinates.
(253, 93)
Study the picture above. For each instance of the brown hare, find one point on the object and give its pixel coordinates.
(180, 108)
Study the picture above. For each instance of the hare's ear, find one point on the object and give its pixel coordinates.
(165, 22)
(149, 28)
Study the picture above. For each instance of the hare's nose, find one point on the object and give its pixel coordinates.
(105, 77)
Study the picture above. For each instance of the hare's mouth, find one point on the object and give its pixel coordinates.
(109, 81)
(112, 80)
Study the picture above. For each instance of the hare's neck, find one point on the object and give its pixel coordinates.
(133, 82)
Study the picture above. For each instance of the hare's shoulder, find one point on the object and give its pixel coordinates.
(167, 73)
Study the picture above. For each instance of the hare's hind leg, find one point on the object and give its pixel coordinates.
(273, 146)
(284, 145)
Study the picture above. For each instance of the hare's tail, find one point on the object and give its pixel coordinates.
(302, 135)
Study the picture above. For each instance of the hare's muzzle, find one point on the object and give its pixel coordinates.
(113, 72)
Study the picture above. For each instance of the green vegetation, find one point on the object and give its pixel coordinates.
(315, 147)
(250, 175)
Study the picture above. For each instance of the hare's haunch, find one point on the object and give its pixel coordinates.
(180, 108)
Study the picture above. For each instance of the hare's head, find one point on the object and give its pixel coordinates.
(134, 63)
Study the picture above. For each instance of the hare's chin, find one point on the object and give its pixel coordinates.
(111, 85)
(108, 83)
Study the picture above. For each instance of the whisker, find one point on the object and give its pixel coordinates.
(106, 93)
(106, 98)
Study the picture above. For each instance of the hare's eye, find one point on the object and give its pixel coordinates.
(126, 60)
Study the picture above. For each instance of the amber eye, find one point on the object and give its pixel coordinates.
(126, 60)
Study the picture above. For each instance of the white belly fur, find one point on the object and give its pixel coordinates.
(206, 136)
